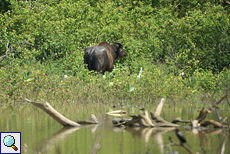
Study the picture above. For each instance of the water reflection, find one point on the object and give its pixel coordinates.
(203, 137)
(56, 137)
(63, 133)
(154, 133)
(203, 140)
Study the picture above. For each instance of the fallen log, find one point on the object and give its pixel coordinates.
(92, 120)
(118, 113)
(199, 121)
(53, 113)
(160, 122)
(118, 121)
(179, 120)
(137, 120)
(202, 115)
(144, 120)
(211, 122)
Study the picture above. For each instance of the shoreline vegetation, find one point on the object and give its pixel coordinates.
(176, 50)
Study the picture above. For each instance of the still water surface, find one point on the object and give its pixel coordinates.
(40, 134)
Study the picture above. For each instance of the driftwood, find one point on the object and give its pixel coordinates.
(211, 122)
(119, 121)
(53, 113)
(179, 120)
(59, 117)
(118, 113)
(200, 120)
(138, 120)
(92, 120)
(157, 121)
(203, 113)
(160, 122)
(160, 107)
(144, 120)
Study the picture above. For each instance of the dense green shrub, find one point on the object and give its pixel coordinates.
(4, 6)
(158, 36)
(198, 40)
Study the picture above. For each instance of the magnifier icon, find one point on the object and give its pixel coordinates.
(9, 141)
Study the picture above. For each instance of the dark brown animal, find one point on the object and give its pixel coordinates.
(101, 58)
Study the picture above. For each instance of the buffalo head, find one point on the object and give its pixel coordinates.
(120, 52)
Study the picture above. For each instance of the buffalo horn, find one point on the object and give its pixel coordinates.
(120, 45)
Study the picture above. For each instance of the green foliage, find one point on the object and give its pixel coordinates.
(49, 37)
(224, 79)
(203, 80)
(4, 6)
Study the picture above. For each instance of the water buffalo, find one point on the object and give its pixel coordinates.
(101, 58)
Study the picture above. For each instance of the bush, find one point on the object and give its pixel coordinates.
(4, 6)
(53, 36)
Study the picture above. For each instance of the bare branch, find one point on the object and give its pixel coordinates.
(8, 50)
(53, 113)
(219, 101)
(159, 107)
(212, 122)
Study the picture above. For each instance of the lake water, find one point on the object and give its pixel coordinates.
(40, 134)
